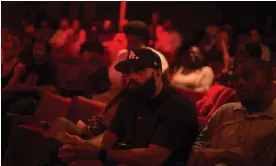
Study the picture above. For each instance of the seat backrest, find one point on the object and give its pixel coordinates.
(83, 109)
(216, 96)
(191, 95)
(52, 106)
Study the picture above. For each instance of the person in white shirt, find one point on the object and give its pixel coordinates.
(194, 74)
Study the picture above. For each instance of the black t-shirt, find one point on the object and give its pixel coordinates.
(169, 120)
(46, 73)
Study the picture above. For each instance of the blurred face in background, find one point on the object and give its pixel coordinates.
(64, 24)
(212, 30)
(254, 35)
(167, 24)
(76, 25)
(224, 36)
(155, 18)
(107, 24)
(39, 51)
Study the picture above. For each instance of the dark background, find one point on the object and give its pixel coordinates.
(188, 17)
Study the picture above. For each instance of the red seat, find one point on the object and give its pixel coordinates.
(212, 100)
(83, 109)
(48, 109)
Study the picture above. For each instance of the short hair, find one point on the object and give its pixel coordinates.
(138, 28)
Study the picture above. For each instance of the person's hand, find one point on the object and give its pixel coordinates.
(75, 149)
(205, 157)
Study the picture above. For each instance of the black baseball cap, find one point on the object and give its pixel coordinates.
(139, 58)
(137, 28)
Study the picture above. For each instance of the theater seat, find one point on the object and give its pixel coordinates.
(83, 109)
(50, 107)
(191, 95)
(212, 100)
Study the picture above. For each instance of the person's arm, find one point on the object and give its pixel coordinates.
(82, 37)
(53, 39)
(18, 71)
(204, 139)
(153, 155)
(180, 80)
(226, 55)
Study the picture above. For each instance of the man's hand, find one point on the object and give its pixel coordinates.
(75, 148)
(206, 157)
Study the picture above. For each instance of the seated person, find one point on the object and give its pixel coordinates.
(242, 133)
(156, 124)
(12, 68)
(41, 74)
(195, 75)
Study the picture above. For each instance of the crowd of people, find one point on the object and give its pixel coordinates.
(138, 73)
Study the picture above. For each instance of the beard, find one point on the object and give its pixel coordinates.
(143, 93)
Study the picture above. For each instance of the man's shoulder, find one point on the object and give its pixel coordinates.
(230, 107)
(178, 106)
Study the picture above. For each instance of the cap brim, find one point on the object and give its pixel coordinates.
(125, 66)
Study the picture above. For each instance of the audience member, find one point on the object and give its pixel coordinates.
(92, 37)
(224, 50)
(12, 68)
(210, 39)
(155, 25)
(59, 39)
(194, 75)
(169, 41)
(138, 36)
(265, 51)
(149, 135)
(107, 32)
(41, 73)
(76, 37)
(45, 32)
(242, 133)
